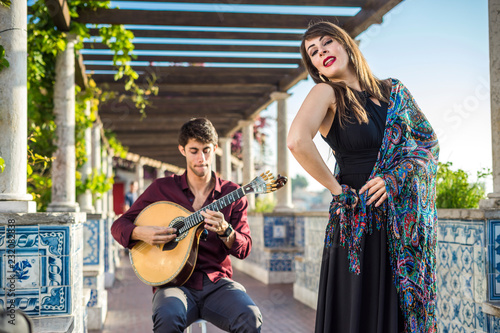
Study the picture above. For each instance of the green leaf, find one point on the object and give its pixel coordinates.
(6, 3)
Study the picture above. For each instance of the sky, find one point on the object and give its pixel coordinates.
(439, 51)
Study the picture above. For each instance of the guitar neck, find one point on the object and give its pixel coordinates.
(196, 218)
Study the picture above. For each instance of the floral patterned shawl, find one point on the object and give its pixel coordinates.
(407, 161)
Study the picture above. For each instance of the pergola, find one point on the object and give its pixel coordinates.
(210, 63)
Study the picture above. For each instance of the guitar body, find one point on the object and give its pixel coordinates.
(173, 263)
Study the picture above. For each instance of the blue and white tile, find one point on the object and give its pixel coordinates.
(92, 242)
(90, 282)
(2, 237)
(445, 308)
(55, 271)
(443, 282)
(26, 300)
(481, 319)
(55, 300)
(26, 240)
(27, 272)
(93, 298)
(468, 233)
(54, 240)
(2, 299)
(468, 314)
(280, 265)
(494, 324)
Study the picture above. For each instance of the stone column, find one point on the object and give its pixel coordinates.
(109, 173)
(139, 176)
(104, 171)
(493, 200)
(284, 195)
(85, 199)
(214, 163)
(14, 110)
(225, 144)
(248, 157)
(239, 175)
(64, 165)
(96, 159)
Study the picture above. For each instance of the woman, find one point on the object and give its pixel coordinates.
(378, 271)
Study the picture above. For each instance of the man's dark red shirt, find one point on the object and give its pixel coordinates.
(213, 256)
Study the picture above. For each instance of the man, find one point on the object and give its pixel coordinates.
(209, 293)
(131, 195)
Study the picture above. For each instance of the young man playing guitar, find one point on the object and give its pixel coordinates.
(209, 293)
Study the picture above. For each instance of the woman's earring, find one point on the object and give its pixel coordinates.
(323, 78)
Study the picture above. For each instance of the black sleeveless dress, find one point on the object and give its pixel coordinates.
(368, 302)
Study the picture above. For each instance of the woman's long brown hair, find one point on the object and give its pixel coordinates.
(345, 97)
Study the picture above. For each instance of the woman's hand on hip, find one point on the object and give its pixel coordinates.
(376, 191)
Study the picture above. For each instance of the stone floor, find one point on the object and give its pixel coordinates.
(129, 305)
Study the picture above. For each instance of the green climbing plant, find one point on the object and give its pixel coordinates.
(3, 60)
(45, 42)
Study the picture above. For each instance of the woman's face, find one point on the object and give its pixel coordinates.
(329, 57)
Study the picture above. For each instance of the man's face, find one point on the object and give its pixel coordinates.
(198, 156)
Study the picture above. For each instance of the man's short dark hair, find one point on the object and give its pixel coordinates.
(200, 129)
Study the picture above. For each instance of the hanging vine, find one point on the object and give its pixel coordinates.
(45, 42)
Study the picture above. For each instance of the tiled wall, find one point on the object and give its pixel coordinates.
(468, 270)
(40, 269)
(461, 276)
(276, 241)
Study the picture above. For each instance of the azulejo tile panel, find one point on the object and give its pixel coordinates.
(279, 231)
(40, 269)
(494, 259)
(92, 248)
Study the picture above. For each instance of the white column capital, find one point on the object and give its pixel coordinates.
(279, 95)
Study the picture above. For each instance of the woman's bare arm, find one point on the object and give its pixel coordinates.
(313, 116)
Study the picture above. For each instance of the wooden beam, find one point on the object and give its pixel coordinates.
(372, 13)
(199, 61)
(202, 79)
(210, 34)
(336, 3)
(59, 12)
(292, 79)
(208, 19)
(200, 71)
(201, 47)
(202, 88)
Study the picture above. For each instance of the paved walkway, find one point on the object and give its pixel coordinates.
(129, 305)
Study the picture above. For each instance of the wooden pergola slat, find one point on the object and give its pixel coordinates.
(206, 19)
(202, 47)
(210, 34)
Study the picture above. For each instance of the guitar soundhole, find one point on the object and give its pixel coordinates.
(178, 223)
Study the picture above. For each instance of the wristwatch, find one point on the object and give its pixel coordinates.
(227, 232)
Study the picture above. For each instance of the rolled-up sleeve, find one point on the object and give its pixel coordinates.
(123, 227)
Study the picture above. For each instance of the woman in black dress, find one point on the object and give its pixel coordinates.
(349, 107)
